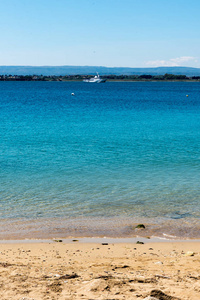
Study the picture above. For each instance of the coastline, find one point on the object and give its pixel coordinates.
(78, 267)
(99, 270)
(107, 80)
(116, 227)
(99, 240)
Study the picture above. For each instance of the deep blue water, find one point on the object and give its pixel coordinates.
(124, 150)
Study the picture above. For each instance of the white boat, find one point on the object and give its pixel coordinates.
(95, 79)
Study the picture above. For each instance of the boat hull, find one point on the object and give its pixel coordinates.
(95, 79)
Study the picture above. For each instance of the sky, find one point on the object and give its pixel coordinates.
(111, 33)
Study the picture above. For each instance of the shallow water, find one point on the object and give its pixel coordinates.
(93, 164)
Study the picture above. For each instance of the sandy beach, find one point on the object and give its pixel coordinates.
(99, 270)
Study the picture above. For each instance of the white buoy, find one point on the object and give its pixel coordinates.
(72, 94)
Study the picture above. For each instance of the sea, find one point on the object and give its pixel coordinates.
(92, 160)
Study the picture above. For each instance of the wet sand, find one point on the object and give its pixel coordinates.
(99, 269)
(98, 227)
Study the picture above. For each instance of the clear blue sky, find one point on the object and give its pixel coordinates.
(121, 33)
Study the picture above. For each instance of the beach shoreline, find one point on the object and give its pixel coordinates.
(43, 260)
(122, 228)
(96, 240)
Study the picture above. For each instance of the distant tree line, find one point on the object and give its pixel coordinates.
(166, 77)
(144, 77)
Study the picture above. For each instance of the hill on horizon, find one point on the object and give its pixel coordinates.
(92, 70)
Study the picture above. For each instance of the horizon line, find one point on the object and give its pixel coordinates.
(83, 66)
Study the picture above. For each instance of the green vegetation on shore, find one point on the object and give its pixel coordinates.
(166, 77)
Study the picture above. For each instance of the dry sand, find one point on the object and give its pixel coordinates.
(78, 270)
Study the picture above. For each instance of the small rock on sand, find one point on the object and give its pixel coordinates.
(189, 253)
(140, 226)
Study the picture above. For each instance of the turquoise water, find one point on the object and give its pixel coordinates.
(113, 154)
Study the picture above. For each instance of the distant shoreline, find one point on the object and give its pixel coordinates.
(197, 81)
(108, 78)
